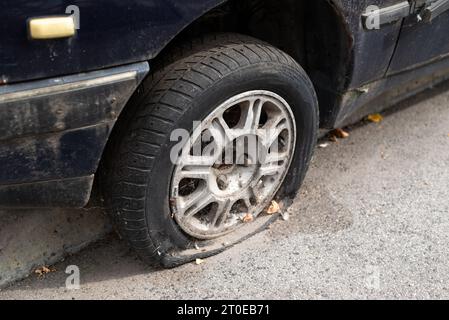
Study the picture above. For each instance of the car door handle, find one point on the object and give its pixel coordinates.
(435, 9)
(51, 27)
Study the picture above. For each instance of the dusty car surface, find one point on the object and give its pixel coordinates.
(185, 119)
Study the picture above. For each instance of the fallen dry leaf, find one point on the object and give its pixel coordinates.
(376, 118)
(199, 261)
(363, 90)
(273, 208)
(43, 271)
(248, 218)
(333, 138)
(340, 133)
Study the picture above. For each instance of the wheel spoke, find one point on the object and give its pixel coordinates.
(221, 132)
(222, 212)
(251, 114)
(270, 169)
(273, 164)
(195, 203)
(198, 161)
(276, 157)
(270, 135)
(250, 194)
(195, 172)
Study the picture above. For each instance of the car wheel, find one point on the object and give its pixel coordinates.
(175, 183)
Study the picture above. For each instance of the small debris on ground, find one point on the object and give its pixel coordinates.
(199, 261)
(42, 271)
(340, 133)
(248, 218)
(273, 208)
(285, 215)
(323, 145)
(376, 118)
(363, 90)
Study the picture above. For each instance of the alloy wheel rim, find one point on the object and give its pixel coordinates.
(233, 165)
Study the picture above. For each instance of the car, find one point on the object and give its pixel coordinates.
(186, 120)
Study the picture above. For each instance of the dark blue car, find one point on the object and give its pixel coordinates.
(193, 122)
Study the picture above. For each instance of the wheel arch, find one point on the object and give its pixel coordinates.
(317, 34)
(323, 50)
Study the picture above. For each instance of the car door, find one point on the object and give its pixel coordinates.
(108, 33)
(424, 36)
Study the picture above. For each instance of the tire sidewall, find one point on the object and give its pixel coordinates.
(291, 83)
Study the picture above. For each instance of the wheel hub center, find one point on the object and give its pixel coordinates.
(234, 178)
(238, 166)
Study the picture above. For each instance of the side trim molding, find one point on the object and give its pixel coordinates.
(53, 133)
(63, 87)
(386, 15)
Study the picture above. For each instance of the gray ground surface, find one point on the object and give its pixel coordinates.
(372, 221)
(32, 238)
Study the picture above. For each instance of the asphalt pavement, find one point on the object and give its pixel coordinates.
(371, 222)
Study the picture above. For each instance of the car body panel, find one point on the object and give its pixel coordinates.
(421, 43)
(368, 54)
(52, 141)
(390, 63)
(55, 130)
(371, 50)
(112, 33)
(384, 93)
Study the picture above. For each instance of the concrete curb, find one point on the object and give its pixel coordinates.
(34, 238)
